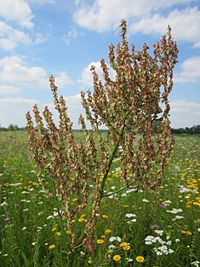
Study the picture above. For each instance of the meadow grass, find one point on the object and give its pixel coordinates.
(160, 227)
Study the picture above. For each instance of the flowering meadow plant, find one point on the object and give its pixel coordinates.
(129, 106)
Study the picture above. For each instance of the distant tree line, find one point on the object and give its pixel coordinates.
(187, 130)
(12, 127)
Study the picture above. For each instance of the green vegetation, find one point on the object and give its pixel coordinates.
(161, 225)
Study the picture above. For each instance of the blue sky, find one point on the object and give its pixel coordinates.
(64, 37)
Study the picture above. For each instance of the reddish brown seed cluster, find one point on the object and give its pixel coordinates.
(130, 106)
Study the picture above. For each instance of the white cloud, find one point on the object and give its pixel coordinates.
(17, 73)
(184, 106)
(87, 78)
(13, 110)
(17, 10)
(6, 89)
(103, 15)
(39, 38)
(18, 101)
(184, 113)
(10, 37)
(190, 71)
(43, 2)
(14, 71)
(185, 25)
(63, 80)
(71, 35)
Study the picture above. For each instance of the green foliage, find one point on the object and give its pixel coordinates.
(29, 213)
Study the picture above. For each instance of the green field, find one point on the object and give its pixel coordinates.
(156, 228)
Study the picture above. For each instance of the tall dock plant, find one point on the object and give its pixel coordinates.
(127, 105)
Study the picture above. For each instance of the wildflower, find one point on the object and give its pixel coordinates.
(104, 216)
(107, 231)
(159, 232)
(127, 247)
(125, 206)
(113, 238)
(90, 261)
(116, 258)
(68, 232)
(100, 241)
(58, 233)
(145, 200)
(52, 246)
(140, 259)
(130, 215)
(123, 244)
(195, 263)
(175, 211)
(81, 219)
(49, 217)
(187, 232)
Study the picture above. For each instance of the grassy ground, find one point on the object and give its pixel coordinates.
(157, 228)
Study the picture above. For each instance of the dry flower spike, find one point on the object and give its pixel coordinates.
(129, 106)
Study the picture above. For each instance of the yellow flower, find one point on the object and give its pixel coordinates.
(116, 258)
(58, 233)
(107, 231)
(187, 232)
(105, 216)
(100, 241)
(81, 219)
(140, 259)
(123, 244)
(126, 247)
(196, 203)
(52, 246)
(68, 232)
(90, 261)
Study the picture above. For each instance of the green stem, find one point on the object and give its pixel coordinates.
(110, 161)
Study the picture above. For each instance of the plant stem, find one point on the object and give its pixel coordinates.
(111, 160)
(119, 190)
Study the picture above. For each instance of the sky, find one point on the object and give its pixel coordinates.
(65, 37)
